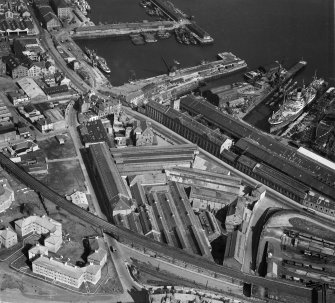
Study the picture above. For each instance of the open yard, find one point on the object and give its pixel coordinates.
(65, 177)
(75, 227)
(305, 226)
(54, 150)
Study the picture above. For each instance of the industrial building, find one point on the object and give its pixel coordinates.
(212, 141)
(30, 87)
(282, 159)
(146, 159)
(94, 132)
(111, 188)
(208, 190)
(165, 214)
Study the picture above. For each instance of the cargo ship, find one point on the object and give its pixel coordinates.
(292, 108)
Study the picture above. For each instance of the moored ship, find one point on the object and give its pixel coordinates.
(102, 64)
(294, 105)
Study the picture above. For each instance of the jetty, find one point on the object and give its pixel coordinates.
(121, 29)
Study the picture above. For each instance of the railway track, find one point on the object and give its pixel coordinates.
(124, 234)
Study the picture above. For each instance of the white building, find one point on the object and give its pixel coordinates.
(99, 257)
(41, 225)
(66, 273)
(6, 195)
(80, 199)
(8, 237)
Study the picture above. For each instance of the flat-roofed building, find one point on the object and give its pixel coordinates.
(56, 118)
(66, 273)
(80, 199)
(42, 226)
(17, 98)
(99, 255)
(62, 9)
(32, 90)
(8, 237)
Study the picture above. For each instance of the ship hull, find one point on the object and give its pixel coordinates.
(276, 127)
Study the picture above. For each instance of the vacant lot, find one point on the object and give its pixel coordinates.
(65, 177)
(54, 150)
(75, 227)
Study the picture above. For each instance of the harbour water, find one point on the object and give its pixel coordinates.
(259, 31)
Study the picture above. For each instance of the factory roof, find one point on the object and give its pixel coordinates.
(94, 132)
(30, 87)
(286, 155)
(290, 168)
(110, 178)
(210, 194)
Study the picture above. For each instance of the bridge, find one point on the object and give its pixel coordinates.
(129, 237)
(121, 29)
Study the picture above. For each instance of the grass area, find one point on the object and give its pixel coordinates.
(8, 282)
(71, 250)
(75, 227)
(54, 150)
(306, 226)
(110, 282)
(65, 177)
(7, 84)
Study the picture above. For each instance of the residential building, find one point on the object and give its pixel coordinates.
(99, 256)
(37, 250)
(17, 98)
(104, 108)
(47, 16)
(6, 195)
(7, 132)
(5, 49)
(29, 47)
(56, 118)
(44, 125)
(42, 226)
(66, 273)
(15, 67)
(62, 9)
(3, 68)
(143, 133)
(8, 237)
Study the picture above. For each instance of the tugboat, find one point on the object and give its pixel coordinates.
(102, 64)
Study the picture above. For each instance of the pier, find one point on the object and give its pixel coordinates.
(177, 15)
(121, 29)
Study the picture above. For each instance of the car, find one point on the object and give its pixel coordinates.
(69, 48)
(61, 41)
